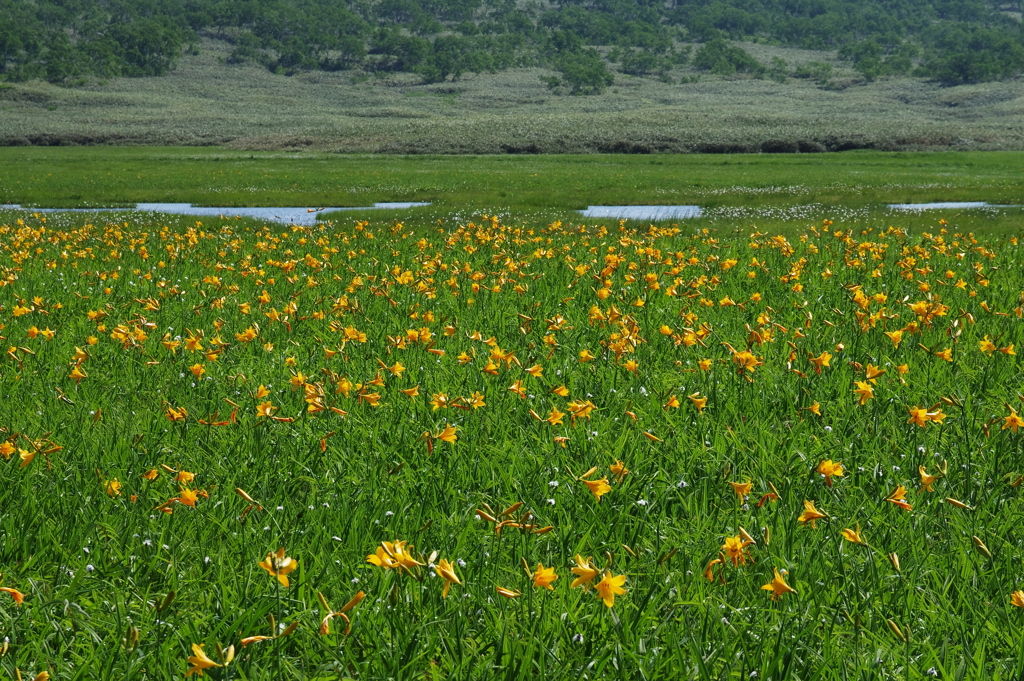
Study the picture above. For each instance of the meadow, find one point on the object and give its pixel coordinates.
(488, 446)
(207, 101)
(75, 177)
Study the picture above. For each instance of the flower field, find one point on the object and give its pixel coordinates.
(487, 449)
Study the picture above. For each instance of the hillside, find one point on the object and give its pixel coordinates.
(949, 41)
(207, 100)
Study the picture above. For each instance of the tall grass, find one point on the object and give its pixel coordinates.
(208, 102)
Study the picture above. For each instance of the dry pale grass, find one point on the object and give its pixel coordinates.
(206, 101)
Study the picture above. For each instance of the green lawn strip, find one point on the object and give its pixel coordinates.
(110, 176)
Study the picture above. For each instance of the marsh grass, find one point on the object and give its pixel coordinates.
(107, 176)
(208, 102)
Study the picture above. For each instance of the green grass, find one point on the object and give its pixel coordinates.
(208, 102)
(105, 176)
(95, 569)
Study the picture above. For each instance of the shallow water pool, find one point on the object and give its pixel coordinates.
(289, 215)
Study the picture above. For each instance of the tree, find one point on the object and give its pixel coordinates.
(717, 56)
(583, 71)
(973, 55)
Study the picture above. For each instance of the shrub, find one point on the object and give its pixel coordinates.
(719, 57)
(584, 72)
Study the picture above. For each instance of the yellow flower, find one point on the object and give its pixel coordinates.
(250, 333)
(735, 549)
(542, 577)
(772, 496)
(853, 535)
(778, 586)
(746, 360)
(394, 555)
(1013, 421)
(898, 497)
(864, 392)
(585, 573)
(382, 559)
(820, 361)
(872, 372)
(895, 337)
(986, 346)
(619, 470)
(609, 587)
(1017, 599)
(918, 415)
(586, 356)
(742, 489)
(445, 570)
(179, 414)
(401, 553)
(18, 597)
(698, 401)
(447, 434)
(926, 480)
(79, 356)
(199, 661)
(598, 487)
(811, 515)
(518, 388)
(112, 487)
(279, 565)
(709, 570)
(555, 417)
(830, 469)
(256, 639)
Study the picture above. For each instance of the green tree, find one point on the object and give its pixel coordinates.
(583, 71)
(973, 55)
(717, 56)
